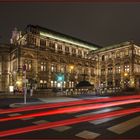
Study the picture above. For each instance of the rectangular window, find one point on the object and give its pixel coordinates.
(28, 64)
(126, 68)
(43, 66)
(42, 42)
(59, 47)
(52, 45)
(118, 69)
(14, 65)
(67, 49)
(73, 51)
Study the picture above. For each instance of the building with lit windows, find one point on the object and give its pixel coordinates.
(45, 59)
(52, 60)
(118, 66)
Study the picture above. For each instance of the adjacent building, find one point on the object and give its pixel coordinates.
(45, 59)
(118, 66)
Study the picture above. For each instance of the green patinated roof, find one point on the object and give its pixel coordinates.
(66, 38)
(113, 46)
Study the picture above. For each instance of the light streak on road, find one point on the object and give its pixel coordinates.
(67, 122)
(71, 109)
(62, 104)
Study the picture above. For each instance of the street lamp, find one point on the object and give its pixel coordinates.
(71, 68)
(125, 74)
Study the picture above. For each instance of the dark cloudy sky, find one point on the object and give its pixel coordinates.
(102, 24)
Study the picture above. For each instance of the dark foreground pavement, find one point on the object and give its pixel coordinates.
(120, 127)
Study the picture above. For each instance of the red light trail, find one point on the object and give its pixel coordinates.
(70, 109)
(67, 122)
(51, 105)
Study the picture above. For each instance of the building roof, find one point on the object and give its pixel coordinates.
(113, 46)
(63, 37)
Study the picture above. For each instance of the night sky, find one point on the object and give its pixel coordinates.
(102, 24)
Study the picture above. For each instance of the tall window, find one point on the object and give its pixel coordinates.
(63, 68)
(118, 54)
(73, 51)
(79, 52)
(59, 47)
(126, 68)
(14, 65)
(126, 52)
(43, 84)
(52, 45)
(118, 68)
(42, 43)
(53, 67)
(110, 69)
(103, 71)
(103, 58)
(28, 64)
(67, 49)
(43, 66)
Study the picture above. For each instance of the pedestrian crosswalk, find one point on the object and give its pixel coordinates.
(87, 135)
(92, 129)
(125, 126)
(100, 111)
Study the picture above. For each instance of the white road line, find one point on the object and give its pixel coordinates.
(125, 126)
(104, 120)
(27, 119)
(100, 111)
(62, 128)
(15, 114)
(40, 122)
(87, 135)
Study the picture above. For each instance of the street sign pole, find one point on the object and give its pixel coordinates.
(25, 86)
(25, 90)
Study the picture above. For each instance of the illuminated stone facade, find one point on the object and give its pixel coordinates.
(48, 54)
(118, 66)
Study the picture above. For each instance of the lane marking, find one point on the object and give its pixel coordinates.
(100, 111)
(87, 134)
(67, 122)
(27, 119)
(62, 128)
(125, 126)
(62, 104)
(40, 122)
(15, 114)
(104, 120)
(71, 109)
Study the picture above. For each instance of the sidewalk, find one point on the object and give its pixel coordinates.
(54, 100)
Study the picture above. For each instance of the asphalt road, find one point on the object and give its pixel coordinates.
(117, 127)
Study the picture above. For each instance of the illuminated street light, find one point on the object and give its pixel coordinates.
(71, 67)
(19, 82)
(125, 74)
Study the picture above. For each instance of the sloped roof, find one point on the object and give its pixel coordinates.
(113, 46)
(56, 34)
